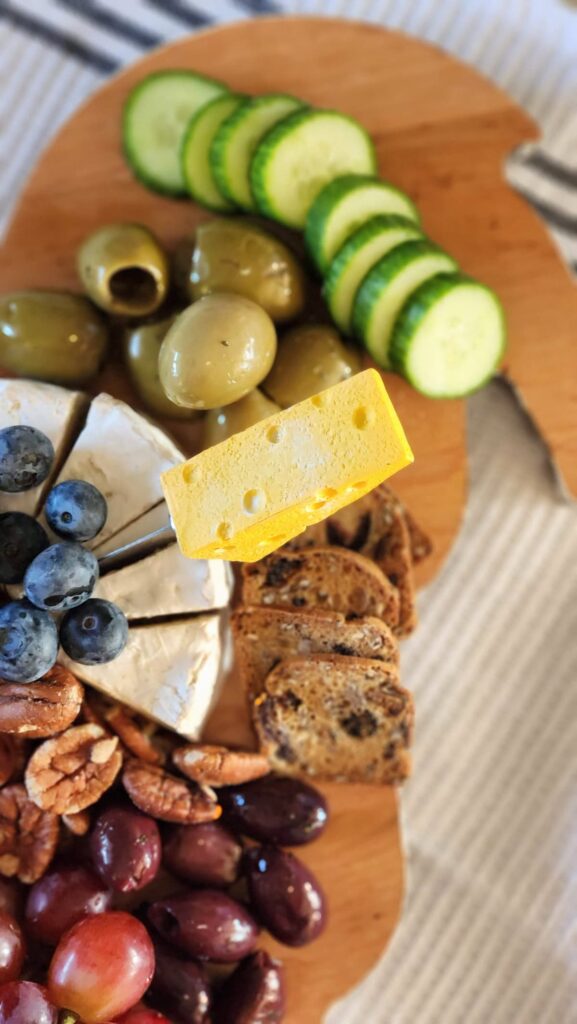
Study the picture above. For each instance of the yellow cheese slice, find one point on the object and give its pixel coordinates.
(243, 498)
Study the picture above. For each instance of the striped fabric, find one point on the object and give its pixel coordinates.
(489, 930)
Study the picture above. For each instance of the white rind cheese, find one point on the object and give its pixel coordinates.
(53, 410)
(167, 583)
(155, 519)
(123, 455)
(170, 672)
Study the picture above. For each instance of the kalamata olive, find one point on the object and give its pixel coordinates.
(180, 987)
(285, 895)
(141, 346)
(216, 351)
(12, 948)
(233, 255)
(124, 269)
(275, 809)
(206, 854)
(126, 848)
(61, 898)
(11, 897)
(230, 419)
(51, 336)
(309, 359)
(206, 924)
(254, 993)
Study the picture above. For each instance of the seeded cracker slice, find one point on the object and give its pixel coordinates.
(265, 636)
(336, 718)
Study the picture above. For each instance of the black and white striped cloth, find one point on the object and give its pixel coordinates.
(489, 930)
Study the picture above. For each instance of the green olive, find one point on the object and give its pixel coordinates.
(310, 358)
(216, 351)
(124, 270)
(222, 423)
(237, 256)
(141, 350)
(51, 336)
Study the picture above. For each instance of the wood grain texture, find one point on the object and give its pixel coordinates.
(442, 133)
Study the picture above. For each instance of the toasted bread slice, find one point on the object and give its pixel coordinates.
(325, 578)
(376, 527)
(421, 543)
(265, 636)
(336, 718)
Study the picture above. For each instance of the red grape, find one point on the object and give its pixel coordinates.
(60, 899)
(12, 949)
(102, 966)
(22, 1002)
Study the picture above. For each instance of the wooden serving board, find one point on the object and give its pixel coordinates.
(442, 134)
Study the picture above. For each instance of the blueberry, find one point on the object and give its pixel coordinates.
(28, 642)
(21, 539)
(26, 457)
(63, 576)
(76, 510)
(95, 633)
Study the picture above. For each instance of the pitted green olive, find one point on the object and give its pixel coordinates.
(310, 358)
(237, 256)
(51, 336)
(216, 351)
(124, 270)
(222, 423)
(141, 351)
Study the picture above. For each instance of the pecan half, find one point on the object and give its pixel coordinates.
(136, 736)
(77, 823)
(219, 766)
(164, 796)
(12, 757)
(42, 708)
(28, 835)
(72, 771)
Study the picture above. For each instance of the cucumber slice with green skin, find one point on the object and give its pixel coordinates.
(343, 206)
(237, 139)
(356, 257)
(195, 155)
(301, 155)
(449, 336)
(154, 120)
(387, 287)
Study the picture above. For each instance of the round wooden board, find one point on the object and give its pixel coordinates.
(442, 133)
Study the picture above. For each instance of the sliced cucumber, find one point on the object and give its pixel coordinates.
(154, 120)
(196, 166)
(296, 159)
(356, 257)
(449, 336)
(343, 206)
(236, 140)
(386, 288)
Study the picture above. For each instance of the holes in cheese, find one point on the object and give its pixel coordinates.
(243, 498)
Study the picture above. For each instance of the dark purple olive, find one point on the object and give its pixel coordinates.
(62, 897)
(254, 993)
(206, 854)
(275, 809)
(126, 848)
(11, 897)
(285, 895)
(206, 924)
(180, 988)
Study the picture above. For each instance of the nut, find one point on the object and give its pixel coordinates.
(12, 757)
(28, 835)
(135, 737)
(72, 771)
(78, 823)
(218, 766)
(164, 796)
(43, 708)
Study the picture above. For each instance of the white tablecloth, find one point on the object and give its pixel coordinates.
(489, 930)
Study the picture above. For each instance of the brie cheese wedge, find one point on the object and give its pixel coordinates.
(166, 583)
(123, 455)
(53, 410)
(170, 672)
(155, 519)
